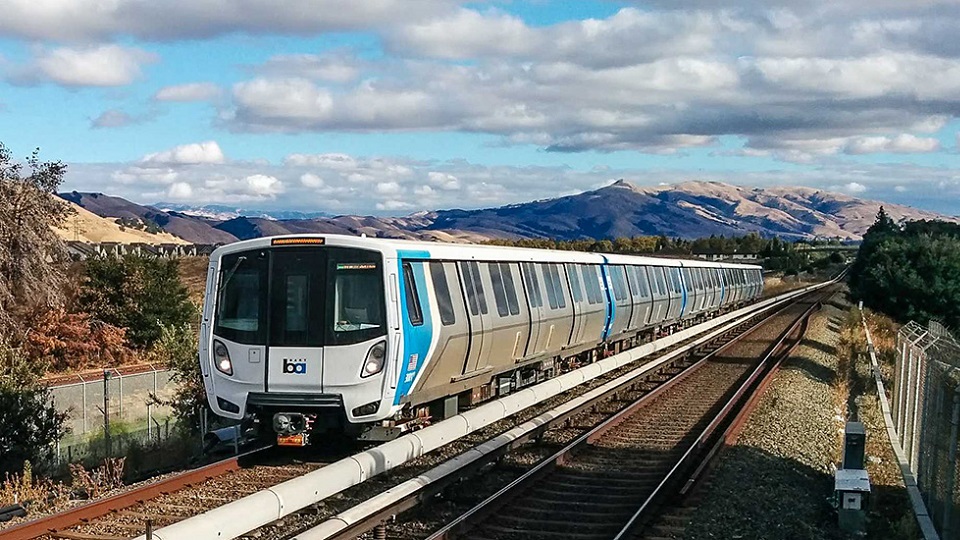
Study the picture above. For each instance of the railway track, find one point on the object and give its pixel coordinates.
(173, 498)
(188, 494)
(617, 479)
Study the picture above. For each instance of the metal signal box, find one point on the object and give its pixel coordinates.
(854, 445)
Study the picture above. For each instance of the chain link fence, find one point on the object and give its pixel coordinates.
(111, 411)
(925, 407)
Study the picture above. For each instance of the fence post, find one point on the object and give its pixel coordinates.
(83, 388)
(948, 497)
(106, 413)
(149, 422)
(120, 382)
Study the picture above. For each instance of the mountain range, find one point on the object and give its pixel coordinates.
(687, 210)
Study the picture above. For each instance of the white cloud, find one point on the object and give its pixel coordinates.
(854, 187)
(262, 185)
(87, 20)
(408, 185)
(187, 154)
(901, 144)
(201, 91)
(336, 68)
(388, 188)
(311, 180)
(112, 118)
(444, 181)
(101, 65)
(180, 191)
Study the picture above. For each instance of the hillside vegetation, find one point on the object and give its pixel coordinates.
(910, 271)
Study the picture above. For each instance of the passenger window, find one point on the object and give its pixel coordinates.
(478, 285)
(677, 282)
(548, 283)
(499, 294)
(442, 288)
(558, 286)
(414, 313)
(661, 282)
(574, 283)
(592, 282)
(619, 288)
(643, 282)
(533, 285)
(511, 288)
(469, 287)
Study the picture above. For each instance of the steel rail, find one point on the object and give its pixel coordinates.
(69, 518)
(775, 352)
(493, 502)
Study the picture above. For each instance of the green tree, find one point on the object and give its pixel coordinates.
(177, 349)
(911, 272)
(140, 294)
(31, 424)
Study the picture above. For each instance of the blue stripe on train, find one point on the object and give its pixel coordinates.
(611, 303)
(416, 339)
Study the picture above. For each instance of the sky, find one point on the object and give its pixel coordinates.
(397, 106)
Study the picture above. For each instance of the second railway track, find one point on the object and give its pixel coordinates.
(609, 482)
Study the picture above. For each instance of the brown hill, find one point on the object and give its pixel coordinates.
(86, 226)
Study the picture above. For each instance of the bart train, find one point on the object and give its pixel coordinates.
(373, 337)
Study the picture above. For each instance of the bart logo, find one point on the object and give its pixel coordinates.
(296, 366)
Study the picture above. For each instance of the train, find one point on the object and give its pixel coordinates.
(304, 335)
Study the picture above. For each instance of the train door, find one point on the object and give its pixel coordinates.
(508, 317)
(531, 284)
(296, 313)
(640, 290)
(579, 302)
(453, 340)
(478, 313)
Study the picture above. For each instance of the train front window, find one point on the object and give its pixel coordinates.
(241, 298)
(355, 281)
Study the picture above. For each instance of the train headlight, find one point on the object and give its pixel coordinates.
(375, 360)
(221, 358)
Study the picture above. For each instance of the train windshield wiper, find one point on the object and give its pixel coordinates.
(230, 273)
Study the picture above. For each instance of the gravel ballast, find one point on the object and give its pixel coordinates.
(776, 480)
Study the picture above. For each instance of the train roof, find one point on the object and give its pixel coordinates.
(480, 252)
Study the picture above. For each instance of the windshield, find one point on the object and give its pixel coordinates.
(300, 297)
(241, 299)
(355, 307)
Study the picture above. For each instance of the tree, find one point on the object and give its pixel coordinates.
(177, 349)
(32, 257)
(911, 272)
(140, 294)
(31, 424)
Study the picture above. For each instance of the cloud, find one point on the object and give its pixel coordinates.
(187, 154)
(854, 187)
(202, 91)
(91, 20)
(349, 184)
(311, 180)
(113, 118)
(330, 67)
(901, 144)
(180, 191)
(100, 65)
(627, 37)
(639, 80)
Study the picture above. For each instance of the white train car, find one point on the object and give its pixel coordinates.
(375, 336)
